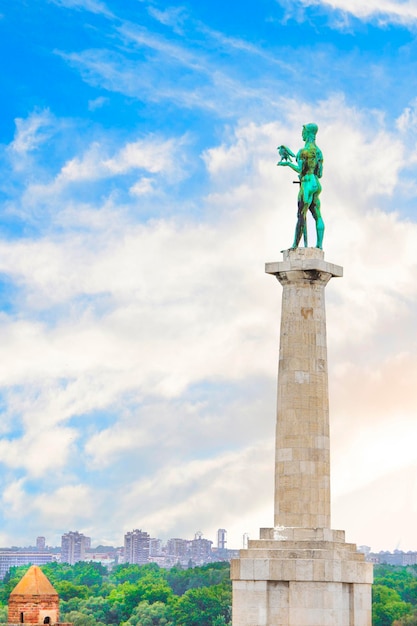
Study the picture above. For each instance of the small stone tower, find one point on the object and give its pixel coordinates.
(33, 600)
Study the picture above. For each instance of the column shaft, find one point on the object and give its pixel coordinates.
(302, 456)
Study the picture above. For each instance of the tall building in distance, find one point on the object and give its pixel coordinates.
(155, 547)
(200, 549)
(40, 543)
(137, 543)
(222, 539)
(73, 547)
(177, 549)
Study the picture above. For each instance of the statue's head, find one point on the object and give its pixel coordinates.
(310, 131)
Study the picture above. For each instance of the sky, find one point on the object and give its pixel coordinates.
(139, 202)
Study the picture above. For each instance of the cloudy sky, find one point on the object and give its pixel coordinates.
(139, 200)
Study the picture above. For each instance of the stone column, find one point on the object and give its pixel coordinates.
(301, 572)
(302, 456)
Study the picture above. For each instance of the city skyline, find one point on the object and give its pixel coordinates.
(154, 543)
(140, 199)
(218, 541)
(82, 549)
(41, 542)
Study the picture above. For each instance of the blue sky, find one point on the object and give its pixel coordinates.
(139, 201)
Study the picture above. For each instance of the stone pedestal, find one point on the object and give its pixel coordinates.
(302, 573)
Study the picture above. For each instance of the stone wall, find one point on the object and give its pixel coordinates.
(34, 608)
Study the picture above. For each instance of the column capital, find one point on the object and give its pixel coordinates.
(304, 260)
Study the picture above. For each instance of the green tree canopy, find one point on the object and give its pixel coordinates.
(200, 607)
(146, 614)
(387, 606)
(136, 594)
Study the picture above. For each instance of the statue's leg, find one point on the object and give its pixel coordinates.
(315, 210)
(320, 232)
(305, 199)
(300, 227)
(297, 234)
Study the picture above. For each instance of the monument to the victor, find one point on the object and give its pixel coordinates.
(301, 572)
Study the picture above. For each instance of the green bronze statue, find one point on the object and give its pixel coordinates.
(309, 167)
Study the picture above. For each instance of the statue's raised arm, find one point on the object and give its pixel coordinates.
(309, 167)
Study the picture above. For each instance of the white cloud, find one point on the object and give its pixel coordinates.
(31, 132)
(97, 103)
(162, 161)
(161, 77)
(39, 451)
(142, 186)
(397, 11)
(153, 155)
(14, 498)
(94, 6)
(134, 311)
(172, 16)
(70, 502)
(392, 512)
(105, 446)
(193, 495)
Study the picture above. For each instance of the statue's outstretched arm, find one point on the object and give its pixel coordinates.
(293, 166)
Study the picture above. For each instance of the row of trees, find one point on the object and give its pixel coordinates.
(147, 595)
(134, 595)
(394, 596)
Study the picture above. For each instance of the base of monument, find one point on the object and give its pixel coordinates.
(301, 577)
